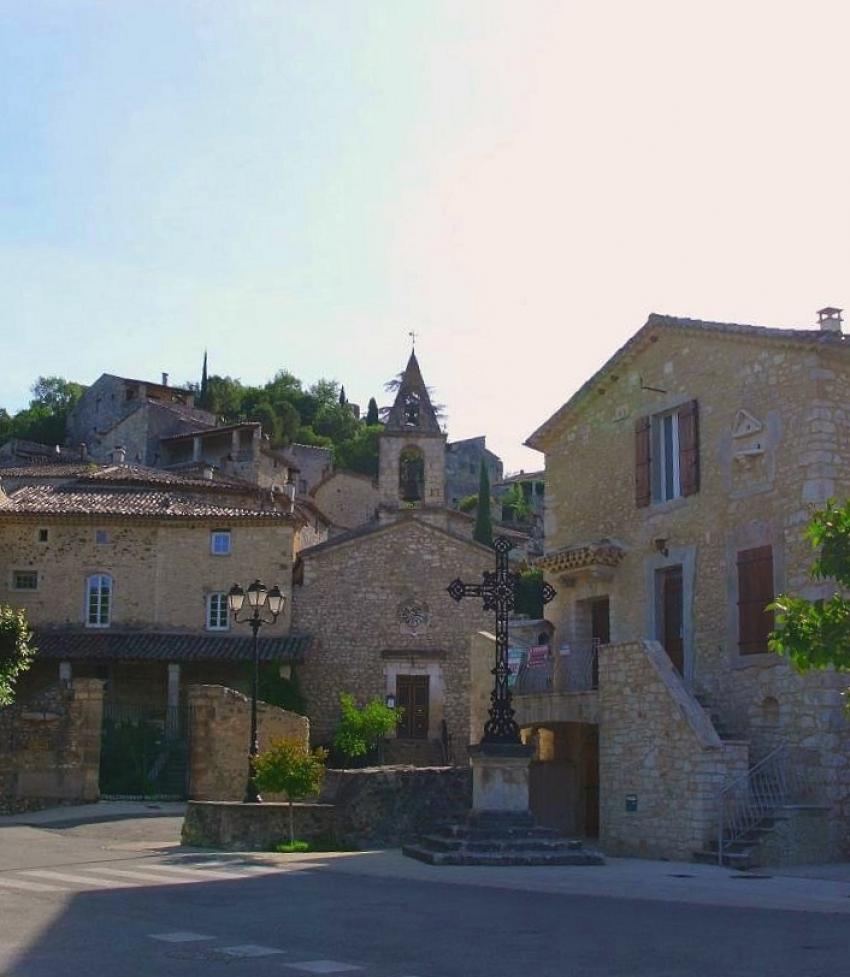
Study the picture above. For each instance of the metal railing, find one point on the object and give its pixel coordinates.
(576, 670)
(747, 800)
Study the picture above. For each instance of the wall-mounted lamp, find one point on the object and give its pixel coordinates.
(391, 701)
(660, 544)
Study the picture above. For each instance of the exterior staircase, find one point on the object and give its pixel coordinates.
(495, 838)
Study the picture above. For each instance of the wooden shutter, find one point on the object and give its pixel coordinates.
(755, 591)
(643, 474)
(689, 448)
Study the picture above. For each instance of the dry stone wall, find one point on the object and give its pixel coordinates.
(219, 735)
(50, 748)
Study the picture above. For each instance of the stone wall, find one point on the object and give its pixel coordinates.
(50, 748)
(219, 734)
(657, 746)
(348, 499)
(377, 608)
(161, 574)
(380, 807)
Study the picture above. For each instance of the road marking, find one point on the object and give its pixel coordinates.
(249, 950)
(323, 966)
(12, 883)
(179, 936)
(75, 879)
(148, 877)
(197, 873)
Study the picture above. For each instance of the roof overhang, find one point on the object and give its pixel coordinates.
(596, 560)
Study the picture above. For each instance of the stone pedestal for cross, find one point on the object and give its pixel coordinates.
(500, 829)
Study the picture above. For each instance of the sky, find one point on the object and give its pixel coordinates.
(299, 185)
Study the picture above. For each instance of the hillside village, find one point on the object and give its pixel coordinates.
(670, 508)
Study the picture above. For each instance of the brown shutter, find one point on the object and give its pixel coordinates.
(755, 591)
(643, 481)
(689, 448)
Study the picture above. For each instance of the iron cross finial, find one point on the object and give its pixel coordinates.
(412, 335)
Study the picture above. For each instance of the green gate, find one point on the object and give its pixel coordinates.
(143, 753)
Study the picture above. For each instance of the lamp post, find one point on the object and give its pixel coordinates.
(262, 602)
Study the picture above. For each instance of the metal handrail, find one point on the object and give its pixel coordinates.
(751, 797)
(574, 671)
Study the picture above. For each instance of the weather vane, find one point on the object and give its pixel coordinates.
(412, 335)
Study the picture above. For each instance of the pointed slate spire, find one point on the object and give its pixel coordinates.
(412, 411)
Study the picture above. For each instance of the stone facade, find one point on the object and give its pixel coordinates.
(313, 464)
(377, 607)
(463, 467)
(219, 733)
(50, 748)
(348, 499)
(773, 439)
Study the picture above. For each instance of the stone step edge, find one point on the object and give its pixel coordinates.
(584, 857)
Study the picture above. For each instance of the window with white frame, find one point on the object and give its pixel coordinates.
(220, 542)
(25, 580)
(665, 477)
(217, 616)
(98, 600)
(667, 455)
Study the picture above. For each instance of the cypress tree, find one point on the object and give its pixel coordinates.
(203, 395)
(483, 532)
(342, 399)
(372, 416)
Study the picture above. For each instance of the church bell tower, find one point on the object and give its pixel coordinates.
(412, 450)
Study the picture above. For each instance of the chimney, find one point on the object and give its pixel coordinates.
(83, 451)
(829, 319)
(165, 379)
(118, 455)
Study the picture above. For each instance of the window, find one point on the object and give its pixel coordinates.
(755, 592)
(220, 542)
(217, 616)
(43, 535)
(24, 580)
(411, 474)
(98, 601)
(667, 455)
(302, 486)
(101, 536)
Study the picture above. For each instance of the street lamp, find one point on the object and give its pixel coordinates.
(262, 602)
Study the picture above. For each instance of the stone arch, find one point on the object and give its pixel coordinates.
(411, 474)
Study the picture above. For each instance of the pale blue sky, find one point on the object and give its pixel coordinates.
(298, 184)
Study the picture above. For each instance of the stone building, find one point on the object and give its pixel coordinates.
(463, 467)
(679, 481)
(374, 598)
(124, 575)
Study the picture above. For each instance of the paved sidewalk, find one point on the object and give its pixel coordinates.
(92, 813)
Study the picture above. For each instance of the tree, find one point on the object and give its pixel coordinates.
(529, 593)
(224, 397)
(815, 634)
(342, 398)
(16, 650)
(44, 419)
(516, 504)
(483, 532)
(288, 767)
(360, 728)
(202, 394)
(285, 693)
(360, 453)
(372, 415)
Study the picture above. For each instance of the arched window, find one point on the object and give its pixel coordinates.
(411, 474)
(98, 600)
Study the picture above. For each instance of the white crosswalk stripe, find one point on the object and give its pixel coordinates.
(147, 877)
(198, 873)
(10, 882)
(73, 879)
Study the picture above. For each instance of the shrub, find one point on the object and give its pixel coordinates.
(361, 728)
(16, 651)
(288, 767)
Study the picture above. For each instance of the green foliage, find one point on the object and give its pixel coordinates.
(483, 531)
(529, 593)
(816, 634)
(516, 505)
(372, 415)
(360, 728)
(468, 503)
(16, 650)
(288, 767)
(44, 419)
(360, 453)
(294, 847)
(285, 693)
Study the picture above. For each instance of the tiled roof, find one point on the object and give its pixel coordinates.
(142, 475)
(59, 470)
(808, 337)
(71, 500)
(104, 646)
(603, 553)
(211, 430)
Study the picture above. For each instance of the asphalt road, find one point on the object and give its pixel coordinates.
(121, 900)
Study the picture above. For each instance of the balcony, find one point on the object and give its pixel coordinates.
(560, 687)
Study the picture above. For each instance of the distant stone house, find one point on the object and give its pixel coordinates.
(123, 573)
(463, 467)
(679, 480)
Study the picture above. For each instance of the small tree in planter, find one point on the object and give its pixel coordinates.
(288, 767)
(361, 728)
(16, 650)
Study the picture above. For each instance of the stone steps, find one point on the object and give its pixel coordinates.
(562, 857)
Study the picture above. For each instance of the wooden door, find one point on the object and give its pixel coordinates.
(672, 616)
(590, 779)
(412, 694)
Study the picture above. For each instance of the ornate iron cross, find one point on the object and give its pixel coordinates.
(498, 592)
